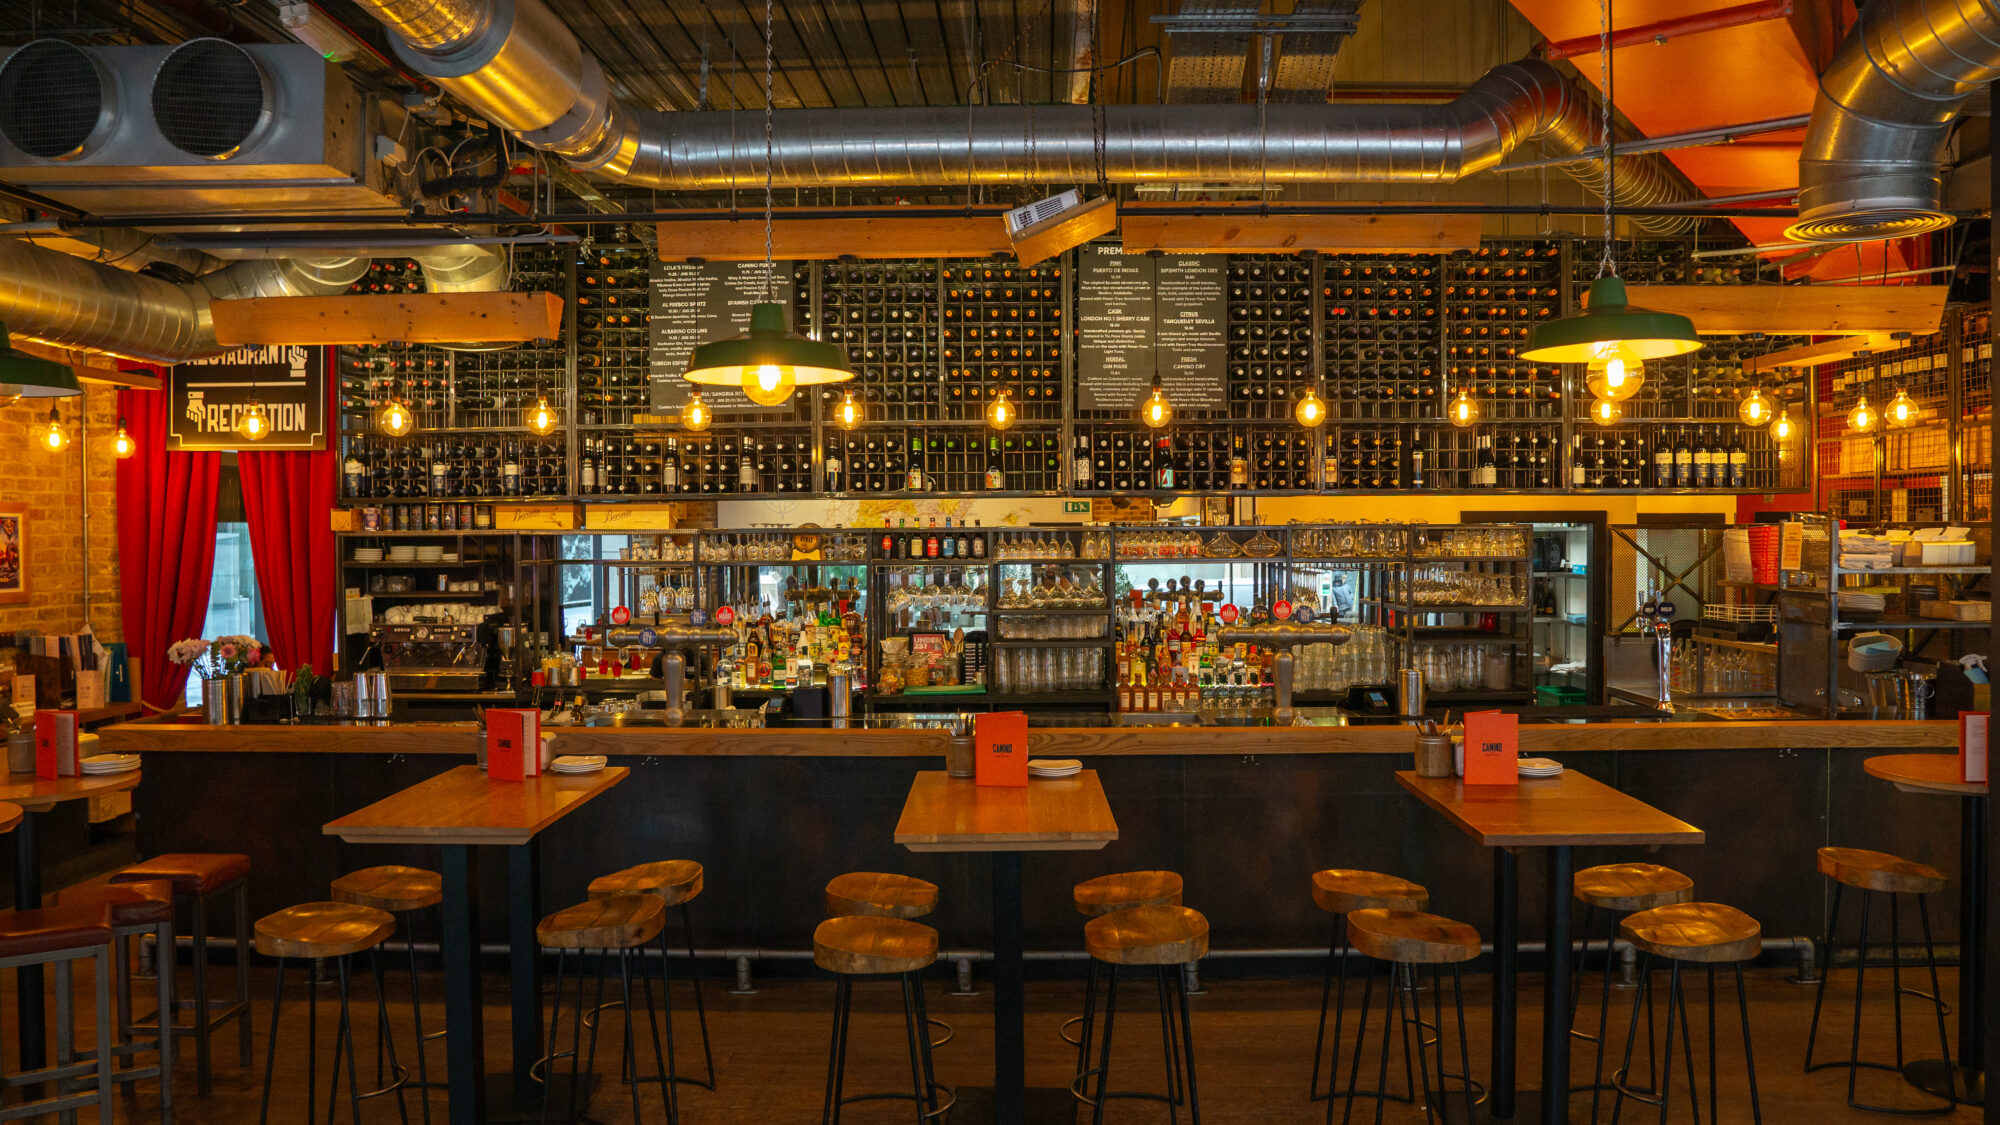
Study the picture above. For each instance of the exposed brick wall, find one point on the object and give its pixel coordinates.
(48, 485)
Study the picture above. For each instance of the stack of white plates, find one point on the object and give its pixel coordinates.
(403, 553)
(1054, 767)
(1539, 767)
(367, 554)
(577, 763)
(110, 763)
(430, 554)
(1866, 603)
(448, 556)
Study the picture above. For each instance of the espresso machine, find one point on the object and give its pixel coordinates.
(434, 657)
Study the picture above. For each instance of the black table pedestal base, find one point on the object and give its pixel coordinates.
(1041, 1105)
(511, 1103)
(1947, 1080)
(1527, 1109)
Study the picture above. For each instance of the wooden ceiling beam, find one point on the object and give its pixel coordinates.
(409, 318)
(1822, 351)
(926, 232)
(1800, 310)
(1232, 228)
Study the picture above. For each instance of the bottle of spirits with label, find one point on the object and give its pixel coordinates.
(1739, 462)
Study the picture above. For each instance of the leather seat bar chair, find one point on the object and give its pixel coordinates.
(62, 936)
(136, 910)
(198, 879)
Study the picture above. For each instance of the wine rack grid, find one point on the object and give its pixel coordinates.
(468, 398)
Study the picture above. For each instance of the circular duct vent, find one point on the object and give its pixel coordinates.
(52, 97)
(1867, 226)
(209, 98)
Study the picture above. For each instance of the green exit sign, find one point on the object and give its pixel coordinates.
(1075, 506)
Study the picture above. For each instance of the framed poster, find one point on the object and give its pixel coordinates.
(13, 555)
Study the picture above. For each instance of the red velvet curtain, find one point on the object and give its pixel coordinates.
(286, 498)
(166, 545)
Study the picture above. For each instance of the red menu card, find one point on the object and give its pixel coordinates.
(513, 743)
(55, 743)
(1492, 749)
(1000, 752)
(1972, 746)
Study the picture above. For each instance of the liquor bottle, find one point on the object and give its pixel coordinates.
(1739, 461)
(1683, 460)
(1080, 463)
(833, 467)
(996, 480)
(931, 545)
(1579, 473)
(1485, 473)
(1704, 459)
(510, 470)
(1163, 464)
(1663, 463)
(1416, 466)
(1239, 463)
(888, 542)
(947, 543)
(586, 469)
(964, 544)
(978, 540)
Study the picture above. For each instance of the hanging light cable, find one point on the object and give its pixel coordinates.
(770, 362)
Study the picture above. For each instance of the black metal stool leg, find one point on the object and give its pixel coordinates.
(669, 1100)
(1409, 993)
(1749, 1059)
(700, 1009)
(201, 1037)
(1187, 1044)
(843, 1004)
(270, 1051)
(1860, 972)
(930, 1070)
(1896, 976)
(1825, 970)
(1354, 1067)
(631, 1045)
(417, 1014)
(1169, 1040)
(346, 1039)
(1104, 1052)
(1389, 1012)
(1086, 1026)
(387, 1041)
(1335, 962)
(916, 1033)
(1643, 998)
(1465, 1049)
(245, 1032)
(1937, 998)
(555, 1026)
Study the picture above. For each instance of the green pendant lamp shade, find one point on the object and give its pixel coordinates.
(1608, 328)
(735, 362)
(32, 376)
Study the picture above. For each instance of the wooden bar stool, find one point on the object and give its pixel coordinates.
(876, 894)
(1699, 933)
(1341, 891)
(402, 890)
(63, 936)
(1870, 873)
(133, 910)
(1616, 888)
(1094, 898)
(613, 924)
(197, 878)
(1164, 937)
(335, 931)
(862, 946)
(1405, 939)
(675, 882)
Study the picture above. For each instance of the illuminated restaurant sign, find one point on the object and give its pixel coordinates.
(209, 396)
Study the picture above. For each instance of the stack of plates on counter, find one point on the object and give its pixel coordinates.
(367, 554)
(1054, 767)
(430, 554)
(109, 763)
(448, 556)
(403, 553)
(577, 763)
(1539, 767)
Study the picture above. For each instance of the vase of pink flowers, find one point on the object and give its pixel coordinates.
(220, 664)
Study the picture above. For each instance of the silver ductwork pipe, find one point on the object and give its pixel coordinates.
(1870, 165)
(516, 64)
(464, 268)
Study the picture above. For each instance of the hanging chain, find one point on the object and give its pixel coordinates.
(770, 63)
(1605, 264)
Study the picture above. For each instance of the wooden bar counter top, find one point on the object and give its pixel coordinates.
(463, 738)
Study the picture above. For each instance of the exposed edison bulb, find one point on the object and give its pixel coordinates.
(848, 414)
(1615, 378)
(1156, 411)
(1606, 412)
(1902, 411)
(1310, 411)
(1464, 411)
(54, 438)
(1862, 418)
(394, 418)
(253, 423)
(695, 415)
(1781, 428)
(769, 384)
(1755, 410)
(1000, 413)
(123, 445)
(542, 416)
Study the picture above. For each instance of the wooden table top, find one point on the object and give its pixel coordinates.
(1924, 773)
(37, 794)
(1541, 812)
(10, 815)
(948, 814)
(461, 806)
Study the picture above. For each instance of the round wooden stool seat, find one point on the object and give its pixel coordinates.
(1694, 931)
(864, 945)
(672, 881)
(1097, 897)
(317, 930)
(613, 922)
(1148, 935)
(1879, 871)
(1632, 886)
(879, 895)
(1340, 890)
(390, 888)
(1411, 937)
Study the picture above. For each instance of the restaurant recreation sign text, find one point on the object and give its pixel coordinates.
(208, 396)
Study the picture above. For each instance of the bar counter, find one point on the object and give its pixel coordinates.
(1246, 814)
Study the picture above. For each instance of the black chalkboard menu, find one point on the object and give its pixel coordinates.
(693, 303)
(1140, 316)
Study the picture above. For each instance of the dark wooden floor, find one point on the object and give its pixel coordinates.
(1254, 1042)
